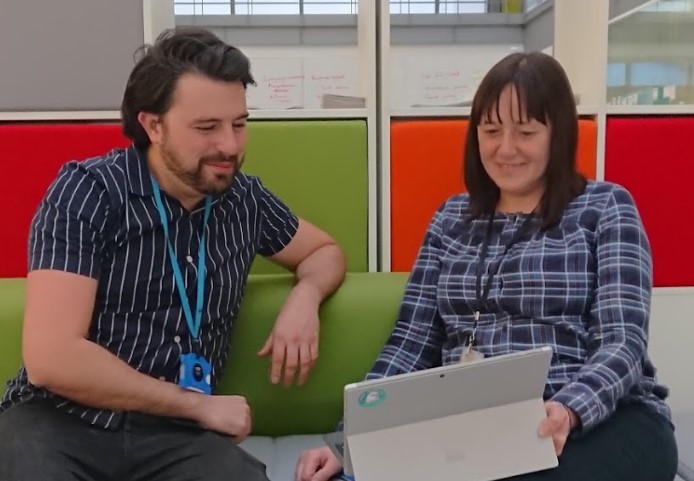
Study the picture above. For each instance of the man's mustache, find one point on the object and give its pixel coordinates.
(220, 158)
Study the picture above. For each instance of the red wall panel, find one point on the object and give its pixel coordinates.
(30, 157)
(653, 157)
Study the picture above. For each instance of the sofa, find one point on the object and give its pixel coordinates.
(356, 322)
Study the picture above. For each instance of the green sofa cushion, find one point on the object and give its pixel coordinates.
(319, 168)
(11, 314)
(355, 324)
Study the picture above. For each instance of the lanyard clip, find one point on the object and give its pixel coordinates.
(471, 337)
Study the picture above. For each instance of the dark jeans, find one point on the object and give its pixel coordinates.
(40, 442)
(635, 444)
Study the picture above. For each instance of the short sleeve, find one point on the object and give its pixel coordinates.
(278, 224)
(67, 229)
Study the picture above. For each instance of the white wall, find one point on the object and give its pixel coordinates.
(671, 339)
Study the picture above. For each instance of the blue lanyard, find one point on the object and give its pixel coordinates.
(193, 325)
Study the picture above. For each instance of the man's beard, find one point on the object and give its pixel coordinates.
(210, 184)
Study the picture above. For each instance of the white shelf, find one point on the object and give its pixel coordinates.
(587, 110)
(431, 112)
(649, 109)
(61, 115)
(115, 115)
(308, 114)
(583, 110)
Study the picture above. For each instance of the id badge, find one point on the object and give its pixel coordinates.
(470, 354)
(195, 373)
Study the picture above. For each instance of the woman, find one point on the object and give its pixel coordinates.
(535, 255)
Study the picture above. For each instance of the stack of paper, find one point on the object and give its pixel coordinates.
(333, 101)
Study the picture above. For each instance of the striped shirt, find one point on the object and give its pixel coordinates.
(99, 219)
(582, 287)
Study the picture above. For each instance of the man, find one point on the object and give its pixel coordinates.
(138, 262)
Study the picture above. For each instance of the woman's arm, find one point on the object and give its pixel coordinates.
(618, 326)
(416, 341)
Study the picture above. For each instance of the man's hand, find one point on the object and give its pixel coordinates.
(228, 415)
(317, 465)
(558, 423)
(293, 342)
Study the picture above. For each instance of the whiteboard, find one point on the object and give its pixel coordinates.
(440, 76)
(300, 82)
(420, 76)
(279, 84)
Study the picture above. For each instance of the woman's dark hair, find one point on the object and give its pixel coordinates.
(175, 52)
(544, 94)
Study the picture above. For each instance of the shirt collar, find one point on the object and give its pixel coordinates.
(137, 172)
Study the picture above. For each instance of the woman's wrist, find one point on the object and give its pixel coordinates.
(573, 417)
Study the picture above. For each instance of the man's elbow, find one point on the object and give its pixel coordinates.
(37, 373)
(328, 254)
(41, 362)
(338, 257)
(334, 259)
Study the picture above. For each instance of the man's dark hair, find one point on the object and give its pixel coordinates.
(176, 51)
(544, 94)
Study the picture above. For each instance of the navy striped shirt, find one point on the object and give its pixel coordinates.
(99, 219)
(582, 287)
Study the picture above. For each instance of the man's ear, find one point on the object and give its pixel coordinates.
(152, 125)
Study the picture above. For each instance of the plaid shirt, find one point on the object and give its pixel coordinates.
(582, 287)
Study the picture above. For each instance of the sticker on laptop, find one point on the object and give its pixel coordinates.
(372, 399)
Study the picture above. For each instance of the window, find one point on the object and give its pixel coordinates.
(438, 6)
(200, 7)
(616, 74)
(309, 7)
(533, 4)
(658, 74)
(669, 6)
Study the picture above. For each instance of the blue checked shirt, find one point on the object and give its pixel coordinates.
(582, 287)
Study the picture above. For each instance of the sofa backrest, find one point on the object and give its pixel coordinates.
(318, 168)
(355, 324)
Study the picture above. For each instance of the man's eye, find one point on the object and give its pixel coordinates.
(205, 128)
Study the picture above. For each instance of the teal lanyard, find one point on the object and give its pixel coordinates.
(193, 324)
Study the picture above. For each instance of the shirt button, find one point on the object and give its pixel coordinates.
(177, 339)
(189, 259)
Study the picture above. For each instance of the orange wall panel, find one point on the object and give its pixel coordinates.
(426, 165)
(426, 169)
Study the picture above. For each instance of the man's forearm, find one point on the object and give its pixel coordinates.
(84, 372)
(322, 272)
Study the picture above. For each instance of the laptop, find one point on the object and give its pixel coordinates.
(473, 421)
